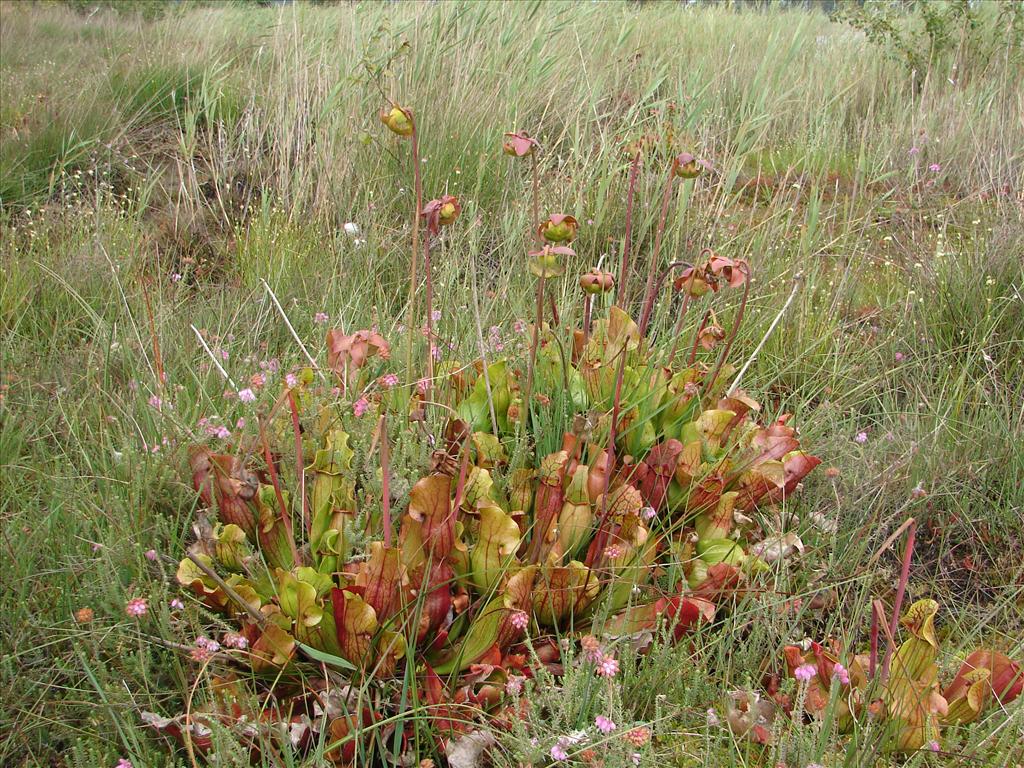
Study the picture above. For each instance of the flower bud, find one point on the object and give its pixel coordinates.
(596, 281)
(559, 228)
(689, 167)
(398, 120)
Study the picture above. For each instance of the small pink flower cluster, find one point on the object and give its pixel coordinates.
(520, 620)
(840, 673)
(389, 380)
(360, 407)
(804, 672)
(236, 641)
(214, 430)
(605, 665)
(137, 606)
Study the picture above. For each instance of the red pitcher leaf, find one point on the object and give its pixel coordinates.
(1006, 676)
(796, 466)
(436, 603)
(969, 698)
(225, 479)
(384, 581)
(680, 614)
(355, 624)
(430, 504)
(547, 506)
(561, 591)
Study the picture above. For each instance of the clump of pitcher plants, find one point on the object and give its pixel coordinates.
(362, 602)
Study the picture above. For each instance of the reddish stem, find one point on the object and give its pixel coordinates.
(679, 328)
(385, 482)
(533, 350)
(696, 337)
(732, 336)
(873, 658)
(430, 319)
(666, 198)
(901, 590)
(536, 197)
(299, 463)
(624, 268)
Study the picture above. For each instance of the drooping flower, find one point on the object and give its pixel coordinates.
(398, 120)
(441, 212)
(559, 753)
(596, 281)
(604, 724)
(559, 228)
(519, 144)
(689, 167)
(137, 606)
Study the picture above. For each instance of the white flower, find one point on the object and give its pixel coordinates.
(351, 228)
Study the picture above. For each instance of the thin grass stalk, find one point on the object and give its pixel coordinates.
(428, 394)
(413, 263)
(634, 169)
(678, 329)
(299, 460)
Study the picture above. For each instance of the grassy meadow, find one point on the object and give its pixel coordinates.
(154, 172)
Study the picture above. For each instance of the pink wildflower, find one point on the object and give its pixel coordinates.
(558, 753)
(861, 438)
(638, 736)
(934, 167)
(246, 395)
(648, 513)
(151, 554)
(609, 667)
(519, 326)
(291, 380)
(124, 763)
(514, 685)
(914, 151)
(320, 318)
(604, 724)
(898, 357)
(520, 620)
(613, 552)
(360, 407)
(389, 380)
(137, 606)
(156, 402)
(934, 746)
(840, 673)
(177, 605)
(175, 277)
(804, 672)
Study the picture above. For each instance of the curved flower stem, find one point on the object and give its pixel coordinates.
(649, 292)
(696, 337)
(678, 328)
(732, 337)
(624, 268)
(411, 320)
(534, 342)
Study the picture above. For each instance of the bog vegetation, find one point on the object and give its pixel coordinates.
(511, 384)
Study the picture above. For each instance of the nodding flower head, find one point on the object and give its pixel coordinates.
(735, 272)
(559, 228)
(398, 120)
(597, 281)
(519, 144)
(686, 166)
(441, 212)
(547, 263)
(696, 281)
